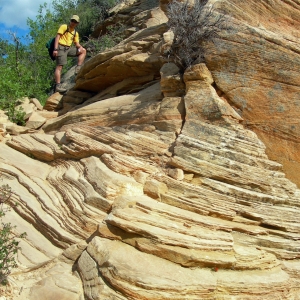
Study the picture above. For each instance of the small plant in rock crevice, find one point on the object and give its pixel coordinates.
(15, 114)
(193, 24)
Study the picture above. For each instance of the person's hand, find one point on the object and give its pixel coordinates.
(55, 53)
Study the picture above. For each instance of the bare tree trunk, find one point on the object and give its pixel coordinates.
(17, 43)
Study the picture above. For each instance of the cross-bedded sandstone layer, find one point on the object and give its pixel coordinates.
(153, 187)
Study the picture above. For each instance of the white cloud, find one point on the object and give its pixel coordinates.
(15, 12)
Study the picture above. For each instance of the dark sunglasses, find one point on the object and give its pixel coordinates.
(74, 21)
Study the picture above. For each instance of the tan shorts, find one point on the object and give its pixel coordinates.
(63, 53)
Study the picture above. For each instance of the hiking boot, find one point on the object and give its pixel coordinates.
(59, 88)
(77, 68)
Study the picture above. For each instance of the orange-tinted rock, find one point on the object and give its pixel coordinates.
(256, 65)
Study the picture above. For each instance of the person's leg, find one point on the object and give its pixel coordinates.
(57, 74)
(81, 56)
(61, 60)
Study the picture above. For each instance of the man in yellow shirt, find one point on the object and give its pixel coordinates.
(66, 35)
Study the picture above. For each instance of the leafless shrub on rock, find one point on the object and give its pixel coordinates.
(193, 24)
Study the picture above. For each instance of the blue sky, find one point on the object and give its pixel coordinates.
(14, 14)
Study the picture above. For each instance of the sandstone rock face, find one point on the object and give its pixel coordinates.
(256, 66)
(136, 60)
(149, 185)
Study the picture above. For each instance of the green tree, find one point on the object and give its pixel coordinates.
(13, 77)
(93, 12)
(40, 64)
(27, 70)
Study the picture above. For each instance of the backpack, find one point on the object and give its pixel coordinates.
(51, 42)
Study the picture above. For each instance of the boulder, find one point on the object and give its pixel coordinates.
(37, 103)
(27, 108)
(35, 121)
(171, 81)
(54, 102)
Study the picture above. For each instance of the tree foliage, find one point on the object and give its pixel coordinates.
(25, 68)
(14, 77)
(193, 24)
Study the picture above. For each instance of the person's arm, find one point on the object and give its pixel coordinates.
(56, 44)
(78, 46)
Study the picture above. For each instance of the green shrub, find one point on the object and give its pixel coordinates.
(112, 37)
(15, 114)
(9, 246)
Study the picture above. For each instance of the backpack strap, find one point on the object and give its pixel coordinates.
(67, 30)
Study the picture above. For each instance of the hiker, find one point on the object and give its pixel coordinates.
(66, 35)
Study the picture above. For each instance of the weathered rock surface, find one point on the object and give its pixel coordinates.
(256, 66)
(34, 118)
(149, 185)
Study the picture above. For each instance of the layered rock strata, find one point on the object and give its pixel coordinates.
(255, 64)
(227, 226)
(154, 188)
